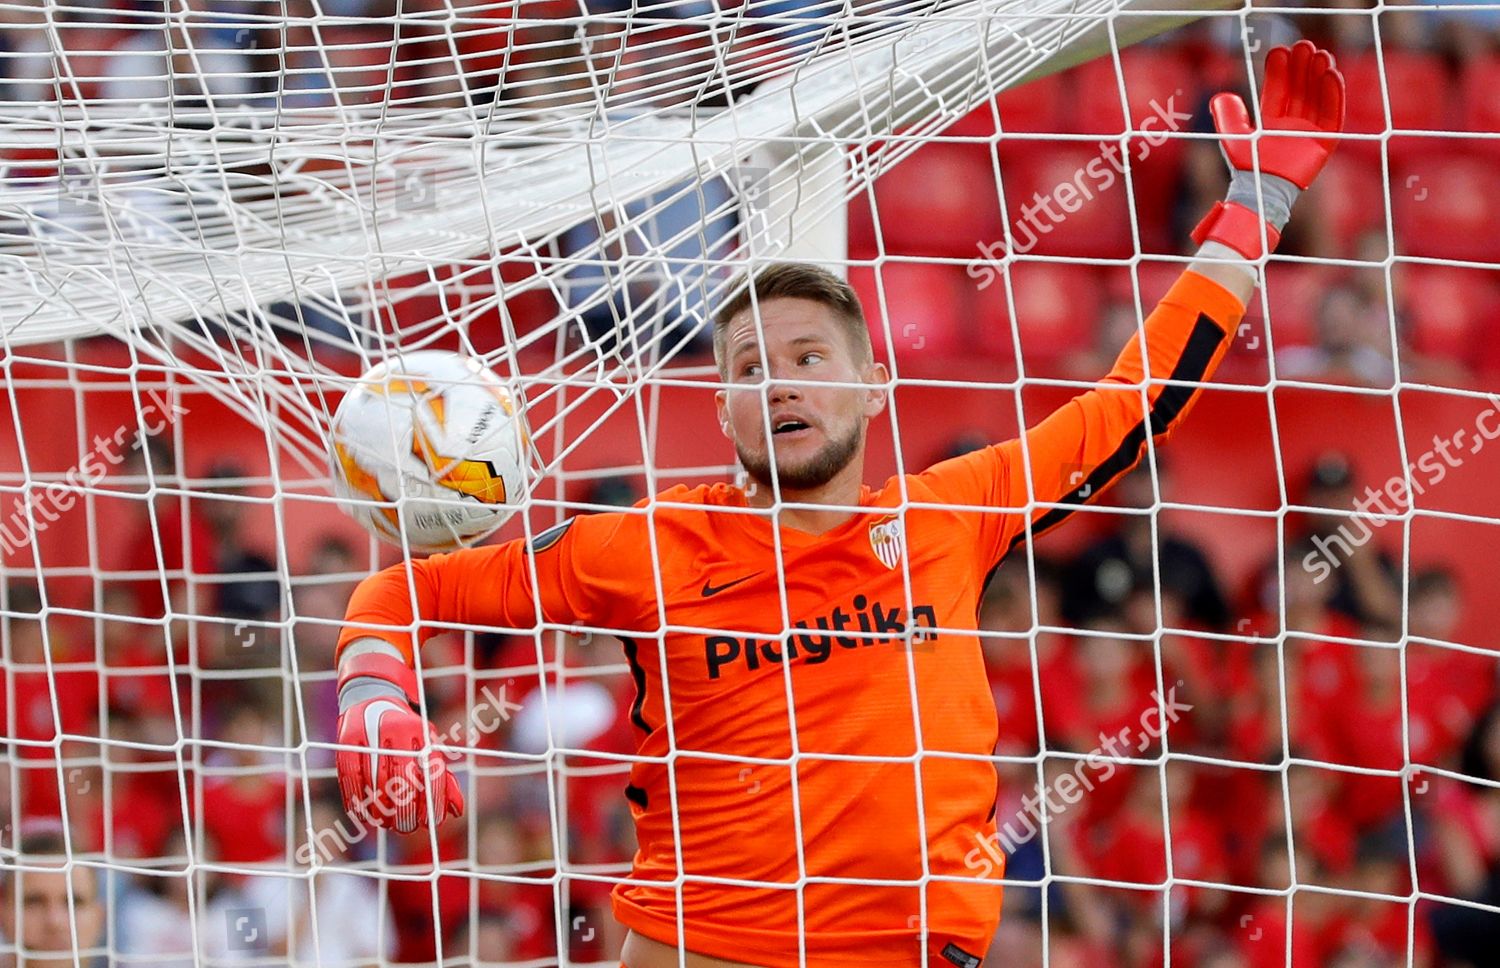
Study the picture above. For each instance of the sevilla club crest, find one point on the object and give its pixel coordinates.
(888, 540)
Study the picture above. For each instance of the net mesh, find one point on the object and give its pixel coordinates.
(214, 215)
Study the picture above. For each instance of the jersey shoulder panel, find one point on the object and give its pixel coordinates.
(975, 479)
(709, 495)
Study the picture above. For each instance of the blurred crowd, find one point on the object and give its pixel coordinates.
(169, 741)
(1336, 701)
(185, 740)
(162, 739)
(138, 743)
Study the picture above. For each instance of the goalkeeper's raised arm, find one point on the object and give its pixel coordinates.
(1081, 449)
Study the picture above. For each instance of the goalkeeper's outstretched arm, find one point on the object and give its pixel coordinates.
(1081, 449)
(391, 614)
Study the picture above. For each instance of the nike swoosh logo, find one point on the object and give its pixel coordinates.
(715, 589)
(373, 712)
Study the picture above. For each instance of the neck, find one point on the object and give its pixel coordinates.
(840, 494)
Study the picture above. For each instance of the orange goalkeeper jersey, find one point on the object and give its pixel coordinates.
(817, 722)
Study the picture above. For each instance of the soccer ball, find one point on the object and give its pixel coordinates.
(442, 435)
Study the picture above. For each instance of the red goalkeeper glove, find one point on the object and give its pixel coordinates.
(1303, 96)
(376, 698)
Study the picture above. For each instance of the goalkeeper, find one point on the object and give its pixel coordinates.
(818, 794)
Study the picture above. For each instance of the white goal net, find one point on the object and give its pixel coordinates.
(1247, 701)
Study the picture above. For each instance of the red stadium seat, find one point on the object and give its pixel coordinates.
(1480, 106)
(1156, 81)
(758, 55)
(1293, 290)
(89, 66)
(416, 313)
(1160, 90)
(1446, 207)
(861, 227)
(1445, 309)
(929, 308)
(1417, 86)
(1347, 200)
(941, 201)
(1099, 225)
(1220, 69)
(1038, 105)
(1155, 279)
(1057, 311)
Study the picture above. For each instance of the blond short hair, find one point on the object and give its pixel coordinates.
(795, 280)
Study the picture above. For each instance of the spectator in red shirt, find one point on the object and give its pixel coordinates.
(43, 701)
(488, 938)
(244, 787)
(1376, 931)
(1450, 686)
(1468, 837)
(1365, 579)
(186, 546)
(318, 601)
(1006, 608)
(1261, 932)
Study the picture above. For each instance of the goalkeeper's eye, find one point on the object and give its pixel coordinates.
(750, 370)
(810, 359)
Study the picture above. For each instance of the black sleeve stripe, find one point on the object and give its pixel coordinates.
(551, 536)
(1203, 342)
(637, 673)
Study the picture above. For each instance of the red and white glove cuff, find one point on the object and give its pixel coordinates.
(1234, 225)
(373, 676)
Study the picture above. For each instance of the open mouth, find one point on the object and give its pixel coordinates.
(788, 425)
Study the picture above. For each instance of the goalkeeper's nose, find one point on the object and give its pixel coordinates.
(783, 391)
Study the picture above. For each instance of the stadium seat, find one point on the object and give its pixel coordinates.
(1446, 207)
(1155, 277)
(1160, 89)
(861, 227)
(28, 162)
(759, 54)
(1038, 105)
(1293, 290)
(941, 201)
(1348, 199)
(1220, 69)
(1481, 108)
(1153, 78)
(1057, 311)
(929, 306)
(1416, 84)
(1100, 225)
(1444, 309)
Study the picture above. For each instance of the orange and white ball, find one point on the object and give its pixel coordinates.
(431, 445)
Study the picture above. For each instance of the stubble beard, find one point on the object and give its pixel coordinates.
(814, 472)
